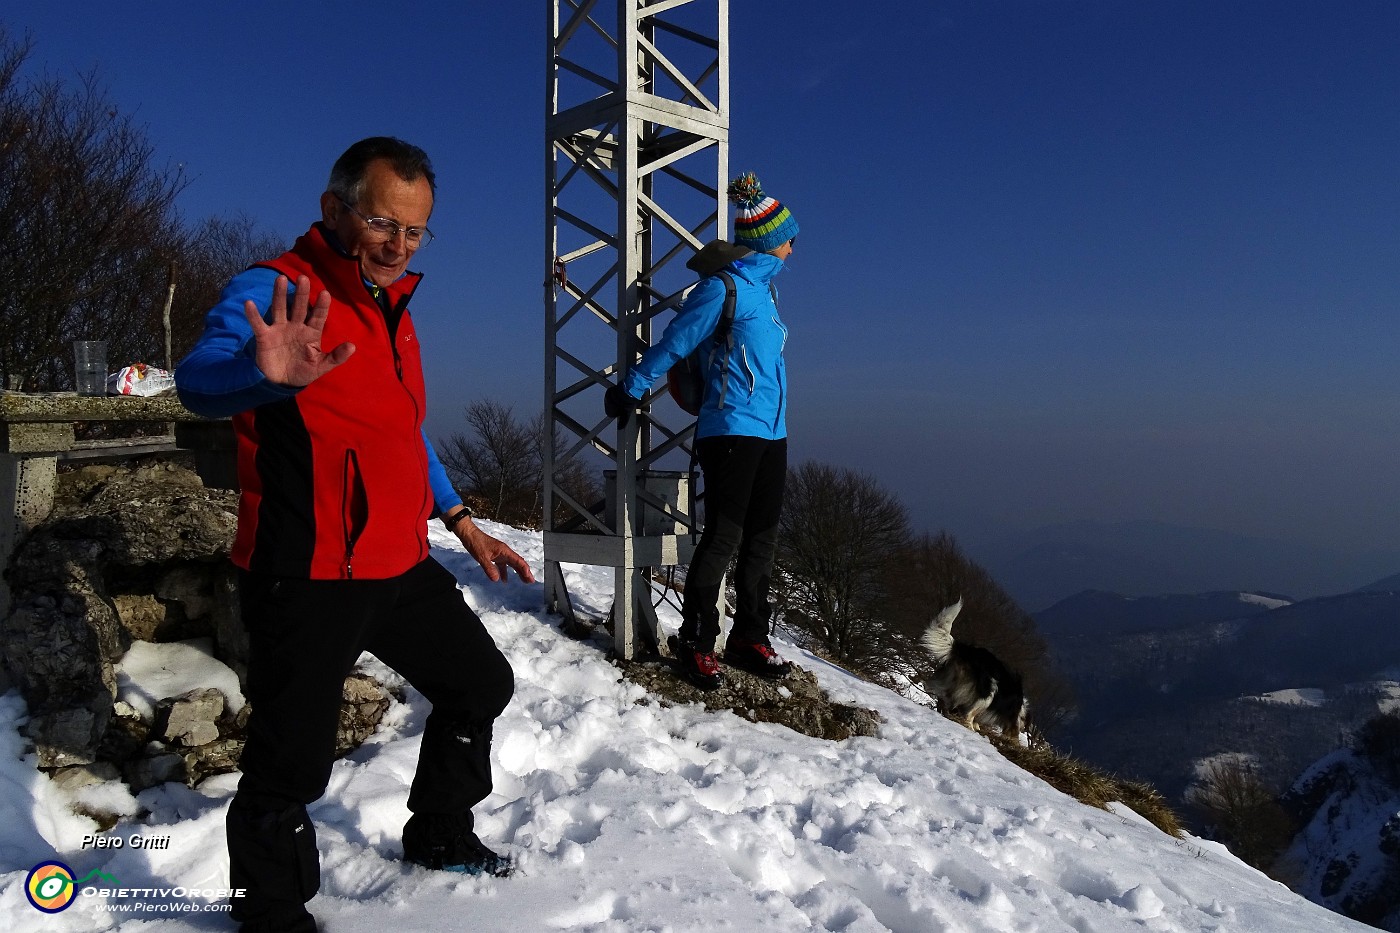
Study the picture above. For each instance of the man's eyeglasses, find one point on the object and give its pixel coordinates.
(386, 229)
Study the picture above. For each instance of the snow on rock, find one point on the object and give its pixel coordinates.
(1348, 853)
(151, 672)
(627, 815)
(1268, 602)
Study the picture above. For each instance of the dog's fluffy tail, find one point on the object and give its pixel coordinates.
(938, 637)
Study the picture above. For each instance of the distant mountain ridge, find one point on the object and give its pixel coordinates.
(1158, 692)
(1388, 584)
(1095, 612)
(1147, 558)
(1169, 683)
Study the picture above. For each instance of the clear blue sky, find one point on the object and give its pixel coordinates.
(1060, 259)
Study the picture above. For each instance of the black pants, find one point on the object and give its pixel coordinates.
(744, 479)
(304, 638)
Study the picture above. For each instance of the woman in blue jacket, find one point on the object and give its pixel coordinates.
(741, 437)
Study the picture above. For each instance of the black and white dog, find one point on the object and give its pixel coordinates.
(971, 684)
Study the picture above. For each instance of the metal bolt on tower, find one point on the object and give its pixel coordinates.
(637, 156)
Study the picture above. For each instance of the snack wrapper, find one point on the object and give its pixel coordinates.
(140, 379)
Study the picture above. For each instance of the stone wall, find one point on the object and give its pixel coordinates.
(135, 552)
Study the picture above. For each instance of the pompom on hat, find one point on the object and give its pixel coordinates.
(761, 223)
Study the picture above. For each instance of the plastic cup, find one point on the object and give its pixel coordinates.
(90, 369)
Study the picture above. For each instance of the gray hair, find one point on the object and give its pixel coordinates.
(408, 161)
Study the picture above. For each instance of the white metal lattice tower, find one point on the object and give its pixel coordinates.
(637, 139)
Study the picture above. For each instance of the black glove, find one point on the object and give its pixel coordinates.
(618, 404)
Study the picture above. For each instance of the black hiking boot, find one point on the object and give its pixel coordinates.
(446, 842)
(700, 668)
(757, 658)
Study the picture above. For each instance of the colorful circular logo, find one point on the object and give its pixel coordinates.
(50, 887)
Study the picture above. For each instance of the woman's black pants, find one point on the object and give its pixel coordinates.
(743, 499)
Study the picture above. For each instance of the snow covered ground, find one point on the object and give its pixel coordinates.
(1385, 692)
(1302, 696)
(625, 816)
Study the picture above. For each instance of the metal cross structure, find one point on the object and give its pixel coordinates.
(637, 142)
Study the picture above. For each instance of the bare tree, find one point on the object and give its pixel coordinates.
(838, 532)
(499, 465)
(1242, 811)
(90, 222)
(217, 250)
(1378, 741)
(495, 465)
(91, 229)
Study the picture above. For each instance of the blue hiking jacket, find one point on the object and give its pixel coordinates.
(755, 398)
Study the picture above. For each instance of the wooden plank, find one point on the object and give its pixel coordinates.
(120, 448)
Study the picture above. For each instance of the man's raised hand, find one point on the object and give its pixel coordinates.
(289, 342)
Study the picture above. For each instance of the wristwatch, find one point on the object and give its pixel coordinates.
(455, 518)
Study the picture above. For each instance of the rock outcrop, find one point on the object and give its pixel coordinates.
(136, 553)
(796, 701)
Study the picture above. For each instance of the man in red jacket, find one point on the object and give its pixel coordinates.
(324, 384)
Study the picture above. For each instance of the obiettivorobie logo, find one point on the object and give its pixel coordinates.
(51, 886)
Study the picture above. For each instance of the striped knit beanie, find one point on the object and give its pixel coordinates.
(760, 223)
